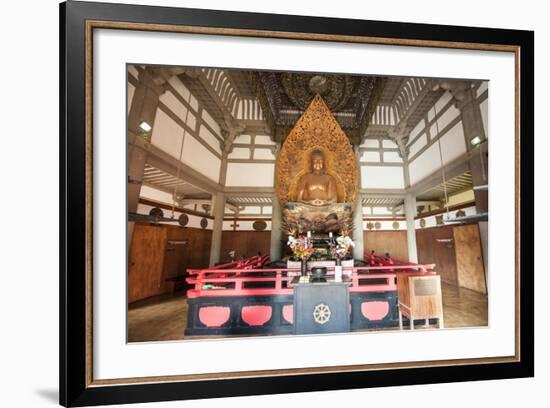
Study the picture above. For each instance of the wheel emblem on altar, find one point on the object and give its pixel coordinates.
(321, 313)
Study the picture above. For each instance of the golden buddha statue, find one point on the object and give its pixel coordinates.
(317, 187)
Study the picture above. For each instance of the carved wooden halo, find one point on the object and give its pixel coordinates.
(317, 129)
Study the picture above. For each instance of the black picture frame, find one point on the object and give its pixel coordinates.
(76, 385)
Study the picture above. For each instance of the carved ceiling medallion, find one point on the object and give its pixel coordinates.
(301, 88)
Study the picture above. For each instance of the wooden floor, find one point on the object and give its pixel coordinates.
(165, 317)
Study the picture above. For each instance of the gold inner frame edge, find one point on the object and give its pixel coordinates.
(102, 24)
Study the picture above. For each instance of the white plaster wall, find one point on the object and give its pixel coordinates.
(446, 117)
(385, 225)
(443, 101)
(239, 153)
(155, 194)
(131, 90)
(452, 147)
(133, 71)
(174, 104)
(425, 164)
(482, 88)
(180, 88)
(382, 177)
(244, 225)
(252, 210)
(484, 107)
(242, 139)
(200, 158)
(209, 138)
(417, 145)
(250, 174)
(417, 129)
(431, 221)
(263, 140)
(263, 154)
(370, 157)
(210, 120)
(392, 157)
(167, 135)
(453, 144)
(371, 143)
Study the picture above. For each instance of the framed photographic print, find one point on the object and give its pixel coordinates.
(256, 203)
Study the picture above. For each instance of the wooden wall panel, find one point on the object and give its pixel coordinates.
(152, 259)
(469, 259)
(146, 261)
(394, 242)
(430, 250)
(247, 243)
(194, 254)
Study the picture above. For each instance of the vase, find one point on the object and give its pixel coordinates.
(303, 267)
(338, 273)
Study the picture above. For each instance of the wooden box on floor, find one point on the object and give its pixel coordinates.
(419, 297)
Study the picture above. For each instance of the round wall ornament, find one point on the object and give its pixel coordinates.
(183, 219)
(259, 225)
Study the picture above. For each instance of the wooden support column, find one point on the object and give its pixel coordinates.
(276, 233)
(219, 210)
(144, 108)
(359, 250)
(275, 247)
(472, 125)
(410, 213)
(464, 96)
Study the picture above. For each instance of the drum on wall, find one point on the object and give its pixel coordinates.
(183, 220)
(156, 213)
(259, 225)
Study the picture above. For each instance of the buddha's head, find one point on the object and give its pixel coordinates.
(317, 162)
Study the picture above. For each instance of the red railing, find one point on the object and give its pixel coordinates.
(258, 282)
(256, 261)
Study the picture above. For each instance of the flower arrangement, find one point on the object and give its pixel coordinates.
(300, 245)
(341, 248)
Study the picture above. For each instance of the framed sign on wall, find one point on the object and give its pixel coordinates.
(168, 112)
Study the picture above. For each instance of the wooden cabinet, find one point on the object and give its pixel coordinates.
(419, 298)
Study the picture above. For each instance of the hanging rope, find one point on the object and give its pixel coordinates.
(441, 162)
(482, 163)
(178, 168)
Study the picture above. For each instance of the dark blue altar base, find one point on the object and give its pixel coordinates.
(277, 324)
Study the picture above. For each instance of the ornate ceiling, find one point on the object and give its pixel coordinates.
(269, 102)
(284, 96)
